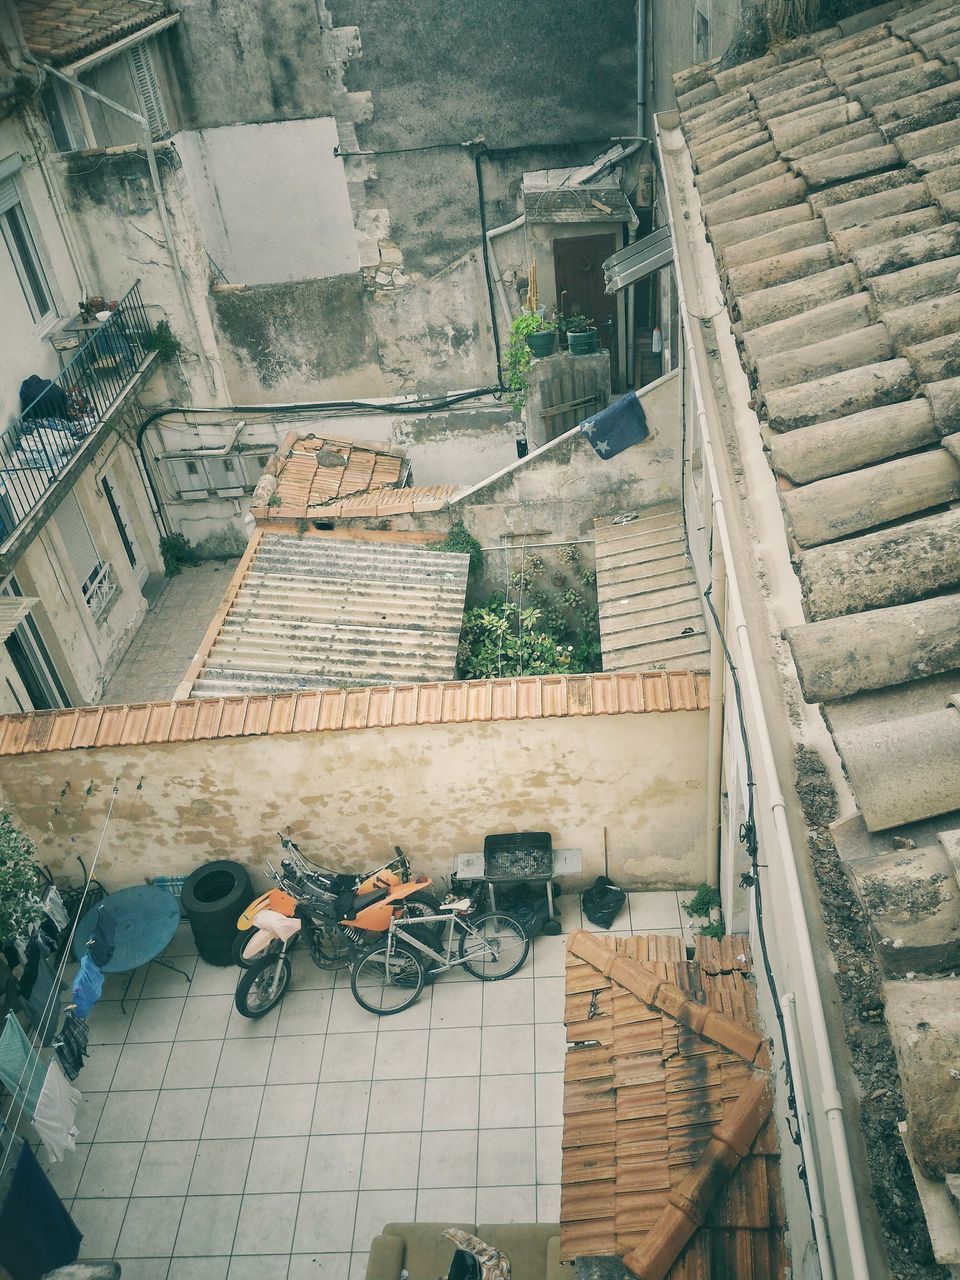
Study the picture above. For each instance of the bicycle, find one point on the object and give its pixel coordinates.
(389, 977)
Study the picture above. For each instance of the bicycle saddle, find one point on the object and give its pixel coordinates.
(456, 904)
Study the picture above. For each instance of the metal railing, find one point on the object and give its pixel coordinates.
(37, 447)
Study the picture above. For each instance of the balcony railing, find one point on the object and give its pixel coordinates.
(37, 447)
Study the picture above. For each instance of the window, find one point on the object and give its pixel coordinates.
(63, 119)
(23, 251)
(701, 36)
(148, 90)
(192, 469)
(95, 577)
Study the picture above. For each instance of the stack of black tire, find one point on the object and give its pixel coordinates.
(213, 898)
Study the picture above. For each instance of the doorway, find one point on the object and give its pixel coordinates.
(578, 266)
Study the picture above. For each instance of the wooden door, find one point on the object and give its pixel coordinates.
(578, 264)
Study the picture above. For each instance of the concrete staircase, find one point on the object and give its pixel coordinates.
(316, 612)
(651, 616)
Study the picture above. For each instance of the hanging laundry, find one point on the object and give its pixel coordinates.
(43, 1003)
(71, 1045)
(36, 1232)
(28, 977)
(21, 1069)
(87, 986)
(55, 1118)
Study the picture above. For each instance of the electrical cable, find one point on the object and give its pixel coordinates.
(51, 1004)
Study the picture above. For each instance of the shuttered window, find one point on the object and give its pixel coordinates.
(23, 250)
(81, 548)
(148, 90)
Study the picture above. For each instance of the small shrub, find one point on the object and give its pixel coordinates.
(458, 539)
(715, 929)
(177, 552)
(164, 342)
(223, 544)
(501, 639)
(705, 900)
(20, 903)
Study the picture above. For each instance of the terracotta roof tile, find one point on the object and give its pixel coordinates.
(458, 702)
(63, 31)
(679, 1147)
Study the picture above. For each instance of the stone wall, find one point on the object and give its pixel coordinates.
(634, 780)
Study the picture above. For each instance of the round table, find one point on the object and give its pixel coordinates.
(145, 918)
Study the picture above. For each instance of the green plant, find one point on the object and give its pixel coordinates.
(177, 552)
(20, 904)
(163, 341)
(274, 499)
(577, 323)
(715, 929)
(517, 357)
(458, 539)
(705, 900)
(501, 639)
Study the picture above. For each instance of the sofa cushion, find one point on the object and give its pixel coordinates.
(428, 1255)
(385, 1261)
(524, 1243)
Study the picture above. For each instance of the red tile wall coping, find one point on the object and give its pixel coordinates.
(457, 702)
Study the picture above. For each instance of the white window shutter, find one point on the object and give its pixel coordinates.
(148, 90)
(76, 535)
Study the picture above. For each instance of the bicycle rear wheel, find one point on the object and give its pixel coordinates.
(387, 984)
(498, 951)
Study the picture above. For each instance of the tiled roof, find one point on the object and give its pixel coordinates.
(829, 176)
(311, 612)
(61, 31)
(320, 477)
(332, 710)
(669, 1147)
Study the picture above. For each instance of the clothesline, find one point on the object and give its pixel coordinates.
(51, 1006)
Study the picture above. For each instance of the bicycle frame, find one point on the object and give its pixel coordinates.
(443, 960)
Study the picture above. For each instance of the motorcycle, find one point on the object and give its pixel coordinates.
(338, 915)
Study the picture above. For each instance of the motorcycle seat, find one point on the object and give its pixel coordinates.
(364, 900)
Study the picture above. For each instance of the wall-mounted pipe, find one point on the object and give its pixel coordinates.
(641, 65)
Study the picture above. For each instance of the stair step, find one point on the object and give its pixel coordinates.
(683, 595)
(627, 541)
(648, 632)
(661, 655)
(617, 584)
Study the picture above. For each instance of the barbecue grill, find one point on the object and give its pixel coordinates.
(520, 855)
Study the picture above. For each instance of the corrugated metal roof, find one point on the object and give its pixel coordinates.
(650, 611)
(829, 177)
(665, 1088)
(61, 31)
(333, 710)
(311, 612)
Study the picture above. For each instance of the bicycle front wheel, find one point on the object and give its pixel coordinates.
(495, 947)
(387, 983)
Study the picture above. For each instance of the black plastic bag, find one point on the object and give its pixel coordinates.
(529, 906)
(602, 903)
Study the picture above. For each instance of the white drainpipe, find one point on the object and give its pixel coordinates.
(495, 265)
(168, 235)
(771, 797)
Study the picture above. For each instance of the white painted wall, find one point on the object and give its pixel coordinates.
(25, 348)
(272, 200)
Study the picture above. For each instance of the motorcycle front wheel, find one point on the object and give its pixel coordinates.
(237, 952)
(262, 986)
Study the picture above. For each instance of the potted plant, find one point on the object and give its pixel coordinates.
(582, 336)
(542, 342)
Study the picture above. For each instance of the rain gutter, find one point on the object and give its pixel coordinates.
(770, 798)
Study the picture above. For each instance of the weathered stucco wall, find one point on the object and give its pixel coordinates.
(25, 349)
(272, 200)
(86, 651)
(306, 340)
(348, 797)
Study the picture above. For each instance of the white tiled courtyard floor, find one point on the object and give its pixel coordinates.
(217, 1148)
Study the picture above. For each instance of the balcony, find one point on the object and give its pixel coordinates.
(56, 433)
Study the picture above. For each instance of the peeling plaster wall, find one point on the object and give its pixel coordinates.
(114, 214)
(348, 797)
